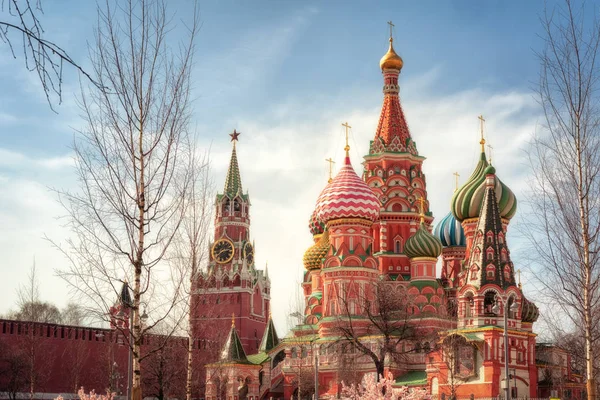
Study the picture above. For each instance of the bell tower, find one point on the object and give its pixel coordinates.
(232, 285)
(393, 171)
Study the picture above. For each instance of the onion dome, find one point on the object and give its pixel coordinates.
(315, 226)
(423, 244)
(466, 202)
(315, 253)
(391, 60)
(347, 196)
(450, 232)
(529, 311)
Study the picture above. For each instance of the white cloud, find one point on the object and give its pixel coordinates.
(282, 161)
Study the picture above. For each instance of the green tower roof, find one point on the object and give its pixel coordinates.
(233, 351)
(270, 339)
(233, 181)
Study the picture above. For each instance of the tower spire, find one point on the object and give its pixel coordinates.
(233, 180)
(392, 131)
(347, 147)
(331, 162)
(482, 141)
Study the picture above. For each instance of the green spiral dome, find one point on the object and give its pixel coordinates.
(423, 244)
(466, 202)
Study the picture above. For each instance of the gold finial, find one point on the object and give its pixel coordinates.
(347, 148)
(490, 148)
(233, 320)
(482, 141)
(331, 162)
(422, 209)
(391, 27)
(456, 175)
(519, 277)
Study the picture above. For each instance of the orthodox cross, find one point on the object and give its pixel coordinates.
(456, 175)
(234, 136)
(422, 209)
(331, 162)
(519, 275)
(391, 27)
(490, 148)
(347, 148)
(482, 141)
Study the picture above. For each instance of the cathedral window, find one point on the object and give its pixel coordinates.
(236, 205)
(490, 237)
(489, 301)
(398, 246)
(503, 255)
(469, 305)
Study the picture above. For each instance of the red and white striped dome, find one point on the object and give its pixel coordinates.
(347, 196)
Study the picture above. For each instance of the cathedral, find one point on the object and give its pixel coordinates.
(386, 293)
(374, 300)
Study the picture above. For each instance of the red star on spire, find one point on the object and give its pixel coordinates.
(234, 135)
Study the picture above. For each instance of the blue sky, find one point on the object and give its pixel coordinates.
(286, 74)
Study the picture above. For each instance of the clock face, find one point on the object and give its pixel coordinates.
(222, 251)
(248, 253)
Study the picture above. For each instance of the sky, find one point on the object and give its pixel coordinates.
(286, 75)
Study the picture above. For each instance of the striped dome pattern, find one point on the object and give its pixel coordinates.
(315, 253)
(315, 226)
(466, 202)
(450, 232)
(423, 244)
(347, 196)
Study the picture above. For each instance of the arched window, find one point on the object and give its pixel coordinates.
(469, 305)
(398, 247)
(488, 301)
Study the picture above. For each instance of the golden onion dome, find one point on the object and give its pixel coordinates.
(391, 60)
(315, 254)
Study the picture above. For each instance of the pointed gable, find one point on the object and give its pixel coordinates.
(233, 351)
(490, 249)
(270, 338)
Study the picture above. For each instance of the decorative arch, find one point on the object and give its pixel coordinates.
(352, 261)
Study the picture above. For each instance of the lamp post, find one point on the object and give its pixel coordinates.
(496, 309)
(300, 317)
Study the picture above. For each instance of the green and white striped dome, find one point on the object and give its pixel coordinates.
(423, 244)
(466, 202)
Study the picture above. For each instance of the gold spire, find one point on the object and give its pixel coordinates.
(456, 175)
(331, 162)
(490, 148)
(233, 320)
(422, 209)
(391, 60)
(482, 141)
(347, 147)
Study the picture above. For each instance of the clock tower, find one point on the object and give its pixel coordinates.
(232, 285)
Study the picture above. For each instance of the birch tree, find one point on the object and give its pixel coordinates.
(132, 163)
(564, 222)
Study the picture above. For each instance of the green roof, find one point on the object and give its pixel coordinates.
(270, 338)
(233, 351)
(258, 358)
(412, 378)
(233, 181)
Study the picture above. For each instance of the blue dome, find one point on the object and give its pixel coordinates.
(450, 232)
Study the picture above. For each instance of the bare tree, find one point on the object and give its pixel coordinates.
(564, 222)
(131, 159)
(391, 322)
(44, 57)
(191, 244)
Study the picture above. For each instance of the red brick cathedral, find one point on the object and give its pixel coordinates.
(373, 300)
